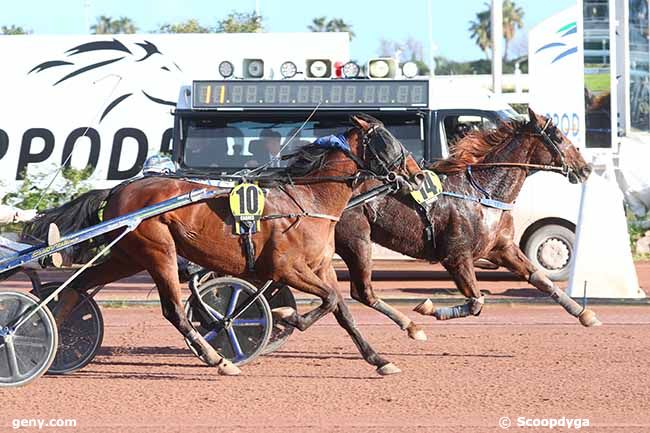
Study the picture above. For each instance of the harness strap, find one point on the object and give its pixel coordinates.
(475, 184)
(488, 202)
(302, 214)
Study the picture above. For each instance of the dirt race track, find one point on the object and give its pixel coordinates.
(513, 360)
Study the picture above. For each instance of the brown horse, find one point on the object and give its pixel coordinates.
(294, 246)
(463, 230)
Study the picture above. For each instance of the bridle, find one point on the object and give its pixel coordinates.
(550, 144)
(387, 166)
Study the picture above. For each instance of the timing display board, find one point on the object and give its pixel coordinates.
(308, 94)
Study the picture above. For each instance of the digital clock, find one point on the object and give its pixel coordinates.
(308, 94)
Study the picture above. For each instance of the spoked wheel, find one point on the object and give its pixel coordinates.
(80, 335)
(26, 352)
(279, 296)
(239, 339)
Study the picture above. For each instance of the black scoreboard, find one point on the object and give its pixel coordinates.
(309, 94)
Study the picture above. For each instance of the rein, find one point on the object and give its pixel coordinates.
(521, 165)
(550, 144)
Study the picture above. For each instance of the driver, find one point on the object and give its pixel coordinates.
(10, 214)
(267, 150)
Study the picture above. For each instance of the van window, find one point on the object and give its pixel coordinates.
(250, 141)
(456, 126)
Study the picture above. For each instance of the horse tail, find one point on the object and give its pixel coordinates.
(73, 216)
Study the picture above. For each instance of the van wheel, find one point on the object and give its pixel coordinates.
(550, 248)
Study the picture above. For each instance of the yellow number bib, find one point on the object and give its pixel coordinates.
(246, 204)
(430, 189)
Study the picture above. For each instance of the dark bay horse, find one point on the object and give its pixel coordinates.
(294, 246)
(463, 230)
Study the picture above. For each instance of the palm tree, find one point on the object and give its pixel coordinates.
(107, 25)
(512, 18)
(318, 24)
(321, 24)
(481, 31)
(481, 27)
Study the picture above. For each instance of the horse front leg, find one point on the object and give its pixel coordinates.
(461, 270)
(346, 321)
(356, 252)
(302, 278)
(511, 257)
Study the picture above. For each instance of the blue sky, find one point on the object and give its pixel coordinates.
(372, 20)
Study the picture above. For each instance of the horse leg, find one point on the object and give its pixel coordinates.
(357, 254)
(346, 321)
(165, 274)
(462, 271)
(302, 278)
(511, 257)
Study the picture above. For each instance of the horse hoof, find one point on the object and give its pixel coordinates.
(283, 313)
(227, 368)
(416, 333)
(588, 318)
(388, 369)
(425, 308)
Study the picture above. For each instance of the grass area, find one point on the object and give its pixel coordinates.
(597, 82)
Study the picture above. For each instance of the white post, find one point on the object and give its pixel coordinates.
(497, 43)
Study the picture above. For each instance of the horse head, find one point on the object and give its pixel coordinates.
(555, 149)
(380, 152)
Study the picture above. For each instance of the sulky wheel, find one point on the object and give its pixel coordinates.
(80, 335)
(240, 339)
(27, 351)
(279, 295)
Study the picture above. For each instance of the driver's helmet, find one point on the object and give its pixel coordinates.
(158, 164)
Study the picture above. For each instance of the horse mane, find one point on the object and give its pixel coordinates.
(306, 160)
(476, 146)
(309, 158)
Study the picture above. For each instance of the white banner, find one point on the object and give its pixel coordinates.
(107, 99)
(555, 72)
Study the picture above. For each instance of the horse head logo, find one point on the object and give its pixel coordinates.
(96, 57)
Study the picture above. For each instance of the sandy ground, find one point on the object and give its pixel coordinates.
(394, 279)
(513, 360)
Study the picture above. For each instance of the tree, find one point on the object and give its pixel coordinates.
(481, 32)
(321, 24)
(512, 19)
(318, 24)
(14, 30)
(107, 25)
(190, 26)
(240, 22)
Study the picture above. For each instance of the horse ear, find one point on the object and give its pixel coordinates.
(534, 118)
(359, 122)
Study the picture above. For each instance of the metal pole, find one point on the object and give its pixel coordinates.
(497, 41)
